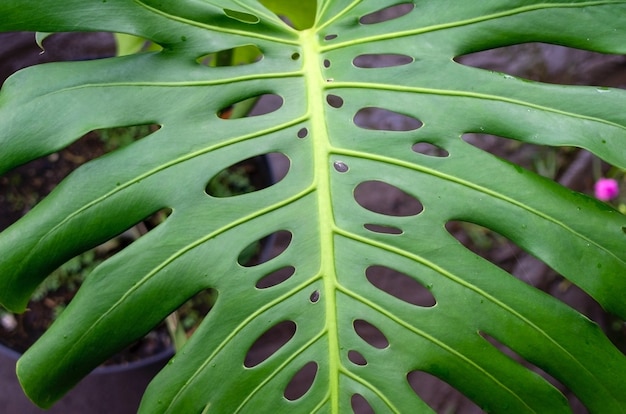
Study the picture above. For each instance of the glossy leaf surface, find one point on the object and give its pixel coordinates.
(43, 109)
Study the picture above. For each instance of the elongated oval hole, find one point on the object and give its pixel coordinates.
(400, 286)
(276, 277)
(301, 382)
(269, 343)
(429, 149)
(380, 197)
(356, 358)
(240, 55)
(360, 405)
(242, 16)
(423, 385)
(387, 13)
(370, 334)
(254, 106)
(247, 176)
(573, 400)
(380, 119)
(265, 249)
(377, 228)
(381, 60)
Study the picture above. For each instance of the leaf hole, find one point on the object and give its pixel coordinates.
(381, 60)
(574, 402)
(241, 55)
(357, 358)
(303, 133)
(276, 277)
(340, 166)
(429, 149)
(242, 16)
(380, 119)
(269, 343)
(430, 389)
(566, 165)
(326, 63)
(379, 228)
(330, 37)
(360, 405)
(548, 63)
(301, 382)
(295, 56)
(400, 286)
(387, 13)
(254, 106)
(247, 176)
(370, 334)
(334, 101)
(255, 253)
(380, 197)
(508, 256)
(194, 310)
(315, 296)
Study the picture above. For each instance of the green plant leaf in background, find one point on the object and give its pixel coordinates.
(322, 83)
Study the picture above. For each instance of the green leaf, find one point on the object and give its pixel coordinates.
(45, 108)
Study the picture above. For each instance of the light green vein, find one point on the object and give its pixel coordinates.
(286, 362)
(473, 186)
(252, 34)
(466, 94)
(239, 328)
(176, 84)
(466, 22)
(420, 332)
(369, 385)
(460, 281)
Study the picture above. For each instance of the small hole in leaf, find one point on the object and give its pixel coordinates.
(295, 56)
(400, 286)
(360, 405)
(247, 176)
(370, 334)
(430, 389)
(378, 228)
(380, 119)
(253, 106)
(326, 63)
(429, 149)
(302, 133)
(334, 101)
(241, 55)
(387, 13)
(242, 16)
(357, 358)
(340, 166)
(315, 296)
(381, 60)
(269, 343)
(255, 253)
(301, 382)
(330, 37)
(383, 198)
(276, 277)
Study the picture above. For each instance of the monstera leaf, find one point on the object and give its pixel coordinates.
(318, 72)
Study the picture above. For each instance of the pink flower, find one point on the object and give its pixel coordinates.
(606, 189)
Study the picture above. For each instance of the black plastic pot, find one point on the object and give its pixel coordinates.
(111, 389)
